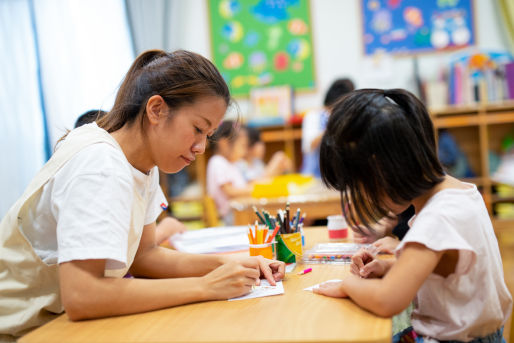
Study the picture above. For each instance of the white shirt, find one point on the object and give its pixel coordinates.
(220, 172)
(474, 301)
(84, 211)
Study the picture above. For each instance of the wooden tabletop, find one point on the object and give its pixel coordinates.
(295, 316)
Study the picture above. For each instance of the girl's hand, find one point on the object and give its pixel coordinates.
(386, 245)
(331, 289)
(231, 279)
(364, 264)
(373, 269)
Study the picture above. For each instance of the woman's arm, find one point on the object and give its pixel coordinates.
(393, 293)
(86, 293)
(152, 261)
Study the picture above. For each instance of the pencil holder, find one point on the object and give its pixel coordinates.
(265, 250)
(289, 247)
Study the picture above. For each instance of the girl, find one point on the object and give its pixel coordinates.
(89, 215)
(224, 179)
(379, 150)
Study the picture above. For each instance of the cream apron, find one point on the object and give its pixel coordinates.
(29, 288)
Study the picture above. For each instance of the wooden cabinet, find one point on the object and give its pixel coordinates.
(478, 130)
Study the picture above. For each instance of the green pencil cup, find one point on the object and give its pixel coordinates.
(289, 247)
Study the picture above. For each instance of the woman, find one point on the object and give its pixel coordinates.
(88, 217)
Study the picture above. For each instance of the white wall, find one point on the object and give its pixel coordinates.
(338, 45)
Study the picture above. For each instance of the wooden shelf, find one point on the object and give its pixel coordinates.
(478, 129)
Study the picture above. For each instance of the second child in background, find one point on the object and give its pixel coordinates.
(224, 179)
(314, 124)
(252, 165)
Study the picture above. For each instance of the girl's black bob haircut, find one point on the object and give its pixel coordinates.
(378, 144)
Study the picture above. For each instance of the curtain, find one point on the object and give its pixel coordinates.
(59, 59)
(506, 8)
(22, 140)
(149, 23)
(85, 50)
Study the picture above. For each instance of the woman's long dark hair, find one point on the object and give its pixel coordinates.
(378, 143)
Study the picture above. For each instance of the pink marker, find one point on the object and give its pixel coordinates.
(305, 271)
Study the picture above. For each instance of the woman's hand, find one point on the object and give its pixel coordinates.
(271, 270)
(231, 280)
(331, 289)
(237, 276)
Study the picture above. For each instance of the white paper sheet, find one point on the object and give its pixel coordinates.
(263, 290)
(317, 285)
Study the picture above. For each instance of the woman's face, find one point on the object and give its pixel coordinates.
(181, 135)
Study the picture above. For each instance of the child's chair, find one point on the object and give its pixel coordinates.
(210, 213)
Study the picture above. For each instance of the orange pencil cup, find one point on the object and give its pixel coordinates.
(265, 250)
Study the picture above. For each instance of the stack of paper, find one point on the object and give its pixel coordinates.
(212, 240)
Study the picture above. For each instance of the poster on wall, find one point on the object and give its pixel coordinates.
(413, 26)
(260, 43)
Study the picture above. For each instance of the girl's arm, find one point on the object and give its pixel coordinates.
(393, 293)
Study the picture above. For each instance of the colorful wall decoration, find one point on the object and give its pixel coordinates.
(259, 43)
(412, 26)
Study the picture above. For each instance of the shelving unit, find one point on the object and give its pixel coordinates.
(478, 129)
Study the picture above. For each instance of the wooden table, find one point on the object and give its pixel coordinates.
(317, 203)
(295, 316)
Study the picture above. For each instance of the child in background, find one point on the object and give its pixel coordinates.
(379, 150)
(314, 123)
(168, 226)
(224, 179)
(252, 165)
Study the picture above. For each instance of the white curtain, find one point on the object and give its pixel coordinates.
(83, 49)
(22, 148)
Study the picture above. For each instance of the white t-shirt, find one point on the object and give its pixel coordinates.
(474, 301)
(84, 211)
(220, 172)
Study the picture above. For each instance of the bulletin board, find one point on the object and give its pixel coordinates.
(260, 43)
(412, 26)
